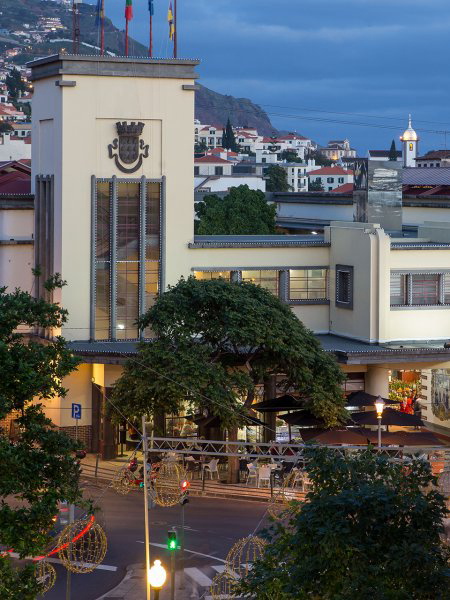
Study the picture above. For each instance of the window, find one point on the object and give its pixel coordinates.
(196, 170)
(420, 289)
(330, 179)
(344, 286)
(399, 295)
(330, 189)
(308, 284)
(425, 289)
(126, 276)
(264, 160)
(208, 275)
(266, 279)
(340, 180)
(218, 170)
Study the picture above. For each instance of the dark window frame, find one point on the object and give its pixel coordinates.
(344, 272)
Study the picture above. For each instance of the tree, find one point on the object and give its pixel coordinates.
(370, 529)
(37, 467)
(216, 340)
(242, 212)
(228, 139)
(290, 156)
(393, 151)
(6, 127)
(200, 148)
(315, 186)
(321, 160)
(276, 179)
(14, 83)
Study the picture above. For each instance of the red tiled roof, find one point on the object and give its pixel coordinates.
(344, 189)
(217, 150)
(15, 183)
(331, 171)
(211, 159)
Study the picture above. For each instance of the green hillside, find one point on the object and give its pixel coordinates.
(16, 14)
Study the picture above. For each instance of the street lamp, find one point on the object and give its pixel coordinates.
(379, 405)
(156, 577)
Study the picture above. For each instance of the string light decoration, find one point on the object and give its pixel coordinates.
(280, 506)
(82, 545)
(223, 586)
(166, 487)
(124, 481)
(45, 575)
(243, 554)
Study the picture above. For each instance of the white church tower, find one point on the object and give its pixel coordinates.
(410, 146)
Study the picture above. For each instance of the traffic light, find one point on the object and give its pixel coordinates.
(184, 492)
(172, 540)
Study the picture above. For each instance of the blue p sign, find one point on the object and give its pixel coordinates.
(76, 411)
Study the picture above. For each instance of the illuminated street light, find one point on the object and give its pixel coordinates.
(379, 405)
(156, 577)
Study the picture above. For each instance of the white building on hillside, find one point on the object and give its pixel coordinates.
(14, 148)
(337, 149)
(331, 177)
(212, 165)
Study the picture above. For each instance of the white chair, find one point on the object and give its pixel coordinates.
(211, 468)
(252, 473)
(298, 477)
(306, 483)
(264, 475)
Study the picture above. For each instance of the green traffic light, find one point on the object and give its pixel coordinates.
(172, 540)
(172, 545)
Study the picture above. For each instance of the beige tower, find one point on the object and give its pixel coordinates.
(113, 169)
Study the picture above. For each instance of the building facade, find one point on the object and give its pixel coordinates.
(113, 212)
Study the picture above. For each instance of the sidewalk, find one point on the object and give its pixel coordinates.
(133, 587)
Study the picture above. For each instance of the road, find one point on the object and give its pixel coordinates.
(212, 527)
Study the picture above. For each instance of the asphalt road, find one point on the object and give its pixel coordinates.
(212, 527)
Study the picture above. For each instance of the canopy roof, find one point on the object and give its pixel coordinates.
(365, 399)
(390, 417)
(282, 403)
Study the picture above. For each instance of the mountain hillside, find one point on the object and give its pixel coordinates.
(214, 108)
(24, 16)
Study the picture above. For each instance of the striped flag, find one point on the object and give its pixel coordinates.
(171, 23)
(128, 10)
(151, 8)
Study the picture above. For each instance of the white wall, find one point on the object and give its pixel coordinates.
(13, 149)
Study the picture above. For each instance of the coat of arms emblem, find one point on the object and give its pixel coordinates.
(131, 149)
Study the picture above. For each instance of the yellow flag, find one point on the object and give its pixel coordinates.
(171, 23)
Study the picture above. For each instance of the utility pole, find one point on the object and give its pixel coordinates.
(146, 519)
(175, 40)
(68, 572)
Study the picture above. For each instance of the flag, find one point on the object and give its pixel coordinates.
(128, 10)
(171, 24)
(151, 8)
(98, 13)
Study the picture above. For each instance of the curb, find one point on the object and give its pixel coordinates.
(128, 575)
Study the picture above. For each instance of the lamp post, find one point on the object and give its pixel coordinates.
(156, 577)
(379, 405)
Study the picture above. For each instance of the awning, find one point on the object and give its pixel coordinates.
(365, 399)
(280, 404)
(390, 417)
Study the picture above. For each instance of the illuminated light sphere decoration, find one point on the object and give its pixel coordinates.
(124, 481)
(82, 545)
(280, 506)
(243, 554)
(167, 485)
(45, 575)
(223, 586)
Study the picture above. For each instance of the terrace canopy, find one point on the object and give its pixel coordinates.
(390, 417)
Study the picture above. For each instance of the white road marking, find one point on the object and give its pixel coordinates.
(190, 551)
(219, 568)
(59, 562)
(198, 577)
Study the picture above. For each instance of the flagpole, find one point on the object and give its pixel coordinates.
(126, 37)
(150, 48)
(102, 45)
(175, 48)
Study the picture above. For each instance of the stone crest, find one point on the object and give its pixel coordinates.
(131, 149)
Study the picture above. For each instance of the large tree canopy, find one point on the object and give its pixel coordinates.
(371, 529)
(215, 341)
(37, 467)
(277, 180)
(242, 212)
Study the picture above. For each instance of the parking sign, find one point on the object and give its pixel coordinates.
(76, 411)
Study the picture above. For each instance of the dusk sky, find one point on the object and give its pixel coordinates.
(374, 60)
